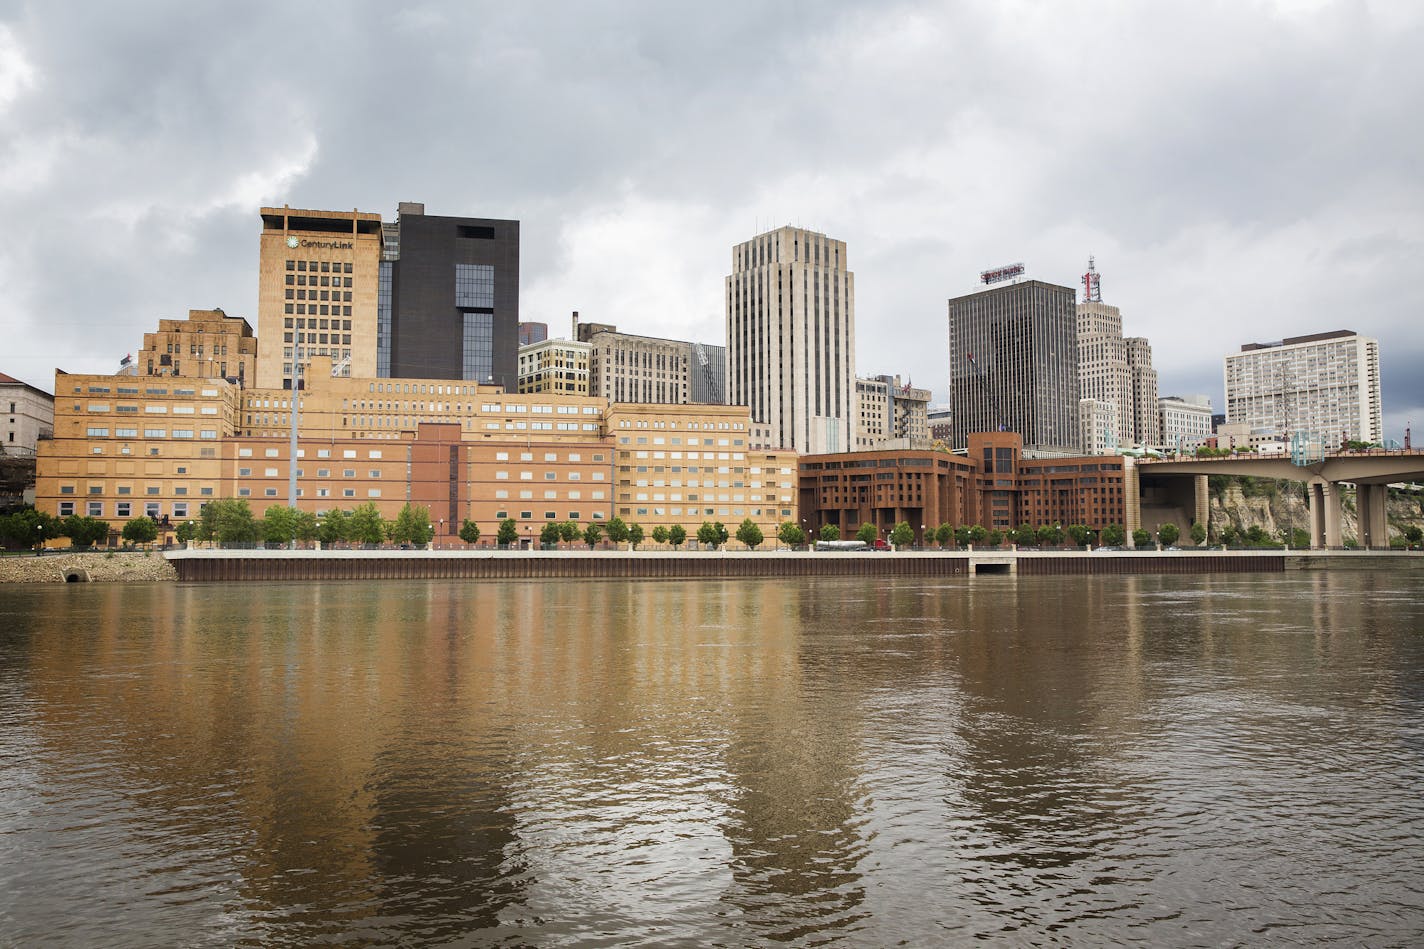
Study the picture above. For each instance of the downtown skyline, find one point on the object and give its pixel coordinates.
(1253, 189)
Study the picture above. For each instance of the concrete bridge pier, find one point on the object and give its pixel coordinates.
(1324, 497)
(1370, 507)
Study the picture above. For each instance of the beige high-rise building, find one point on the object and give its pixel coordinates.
(1146, 415)
(1115, 369)
(791, 338)
(317, 290)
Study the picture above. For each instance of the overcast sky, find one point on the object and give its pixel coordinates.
(1242, 171)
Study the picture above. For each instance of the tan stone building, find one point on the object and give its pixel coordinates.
(127, 446)
(695, 463)
(209, 344)
(317, 288)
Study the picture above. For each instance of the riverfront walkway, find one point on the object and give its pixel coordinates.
(217, 565)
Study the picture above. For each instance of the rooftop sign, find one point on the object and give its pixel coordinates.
(1000, 274)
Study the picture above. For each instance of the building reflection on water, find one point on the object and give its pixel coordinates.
(440, 757)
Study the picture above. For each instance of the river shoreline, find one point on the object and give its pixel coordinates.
(227, 565)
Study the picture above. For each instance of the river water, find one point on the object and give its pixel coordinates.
(1155, 760)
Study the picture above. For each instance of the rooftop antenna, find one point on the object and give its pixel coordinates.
(1092, 283)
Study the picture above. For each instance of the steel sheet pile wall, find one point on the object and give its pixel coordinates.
(1147, 564)
(236, 566)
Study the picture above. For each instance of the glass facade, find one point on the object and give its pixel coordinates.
(383, 321)
(474, 286)
(478, 348)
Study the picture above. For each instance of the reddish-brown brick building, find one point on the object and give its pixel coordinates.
(992, 485)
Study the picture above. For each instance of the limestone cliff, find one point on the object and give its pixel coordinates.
(1281, 505)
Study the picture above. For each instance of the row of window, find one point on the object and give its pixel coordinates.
(102, 431)
(324, 266)
(294, 280)
(151, 489)
(311, 309)
(153, 509)
(548, 515)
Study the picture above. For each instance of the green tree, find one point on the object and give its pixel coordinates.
(278, 524)
(1078, 534)
(188, 530)
(307, 527)
(978, 534)
(1141, 537)
(508, 532)
(902, 534)
(1230, 536)
(1112, 536)
(791, 534)
(140, 530)
(1197, 533)
(366, 526)
(1412, 533)
(1025, 535)
(1168, 534)
(944, 534)
(660, 534)
(961, 536)
(28, 527)
(677, 535)
(83, 530)
(550, 534)
(830, 532)
(412, 525)
(749, 534)
(1256, 536)
(469, 532)
(713, 534)
(1050, 535)
(229, 521)
(867, 533)
(569, 532)
(996, 537)
(335, 527)
(618, 530)
(1300, 538)
(592, 535)
(635, 535)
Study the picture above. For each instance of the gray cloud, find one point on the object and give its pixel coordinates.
(1242, 171)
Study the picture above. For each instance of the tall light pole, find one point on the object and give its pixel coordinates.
(292, 450)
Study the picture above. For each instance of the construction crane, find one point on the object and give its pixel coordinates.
(993, 399)
(712, 386)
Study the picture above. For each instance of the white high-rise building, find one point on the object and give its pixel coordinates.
(791, 339)
(1325, 384)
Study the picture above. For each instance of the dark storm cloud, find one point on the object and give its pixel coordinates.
(1242, 171)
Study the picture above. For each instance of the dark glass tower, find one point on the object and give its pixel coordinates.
(1013, 365)
(454, 298)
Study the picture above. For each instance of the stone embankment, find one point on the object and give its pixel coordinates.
(126, 567)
